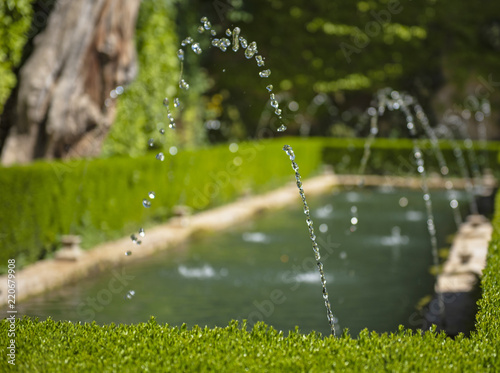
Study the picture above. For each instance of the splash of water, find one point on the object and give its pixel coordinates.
(329, 314)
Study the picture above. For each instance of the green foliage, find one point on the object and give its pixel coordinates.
(15, 20)
(102, 199)
(351, 49)
(140, 112)
(395, 156)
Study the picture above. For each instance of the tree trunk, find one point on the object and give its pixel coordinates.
(64, 105)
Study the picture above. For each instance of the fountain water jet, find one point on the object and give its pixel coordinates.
(329, 314)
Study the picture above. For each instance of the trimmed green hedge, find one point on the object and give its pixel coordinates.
(102, 199)
(50, 346)
(395, 156)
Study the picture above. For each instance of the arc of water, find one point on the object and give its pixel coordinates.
(329, 314)
(443, 168)
(459, 155)
(384, 100)
(468, 144)
(417, 153)
(393, 100)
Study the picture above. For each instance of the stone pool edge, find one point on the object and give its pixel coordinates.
(50, 274)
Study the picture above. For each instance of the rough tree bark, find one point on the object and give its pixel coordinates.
(63, 107)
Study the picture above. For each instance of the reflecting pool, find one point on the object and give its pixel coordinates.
(375, 249)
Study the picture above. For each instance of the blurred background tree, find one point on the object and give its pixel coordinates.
(327, 60)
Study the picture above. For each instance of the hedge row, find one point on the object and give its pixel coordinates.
(102, 199)
(395, 156)
(50, 346)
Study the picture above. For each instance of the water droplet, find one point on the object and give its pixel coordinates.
(277, 111)
(269, 87)
(113, 94)
(172, 150)
(162, 131)
(260, 60)
(251, 50)
(410, 125)
(228, 32)
(128, 253)
(183, 84)
(160, 157)
(176, 102)
(166, 102)
(226, 42)
(171, 125)
(130, 294)
(293, 105)
(236, 42)
(444, 170)
(141, 232)
(371, 111)
(146, 203)
(323, 228)
(282, 128)
(151, 195)
(237, 161)
(151, 142)
(204, 19)
(403, 202)
(420, 169)
(119, 90)
(196, 48)
(207, 25)
(454, 204)
(201, 29)
(180, 55)
(233, 147)
(265, 73)
(216, 43)
(243, 42)
(427, 197)
(274, 103)
(213, 32)
(135, 239)
(354, 220)
(187, 41)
